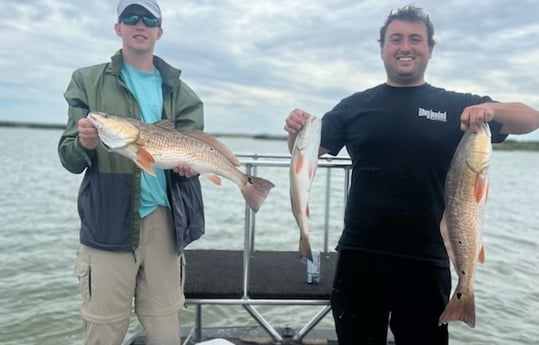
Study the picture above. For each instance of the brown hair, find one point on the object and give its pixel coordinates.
(412, 14)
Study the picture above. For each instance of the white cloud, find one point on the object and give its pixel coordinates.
(254, 61)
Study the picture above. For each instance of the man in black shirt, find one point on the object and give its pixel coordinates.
(401, 136)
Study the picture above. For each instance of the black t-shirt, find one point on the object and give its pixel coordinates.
(401, 141)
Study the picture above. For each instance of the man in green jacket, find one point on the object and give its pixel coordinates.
(133, 224)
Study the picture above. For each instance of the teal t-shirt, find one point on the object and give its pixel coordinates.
(147, 89)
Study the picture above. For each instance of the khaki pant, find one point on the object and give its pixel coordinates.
(152, 276)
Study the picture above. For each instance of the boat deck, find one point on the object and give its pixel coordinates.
(273, 275)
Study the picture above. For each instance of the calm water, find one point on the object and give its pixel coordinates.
(39, 297)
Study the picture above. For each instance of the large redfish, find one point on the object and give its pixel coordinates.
(303, 165)
(161, 145)
(466, 191)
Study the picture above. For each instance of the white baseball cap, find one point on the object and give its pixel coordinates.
(150, 5)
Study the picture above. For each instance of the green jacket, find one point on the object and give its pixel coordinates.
(109, 194)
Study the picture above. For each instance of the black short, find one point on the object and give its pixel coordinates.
(372, 291)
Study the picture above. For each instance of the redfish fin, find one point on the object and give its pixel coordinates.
(255, 191)
(216, 144)
(461, 307)
(165, 124)
(145, 161)
(481, 188)
(481, 256)
(305, 251)
(299, 163)
(214, 178)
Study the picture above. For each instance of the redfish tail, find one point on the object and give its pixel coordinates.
(461, 307)
(255, 191)
(305, 251)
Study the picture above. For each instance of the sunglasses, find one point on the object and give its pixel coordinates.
(133, 19)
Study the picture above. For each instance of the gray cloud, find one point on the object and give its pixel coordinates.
(253, 61)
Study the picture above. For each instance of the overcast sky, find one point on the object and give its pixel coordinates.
(253, 61)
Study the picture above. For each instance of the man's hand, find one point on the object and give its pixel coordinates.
(473, 116)
(185, 170)
(87, 134)
(295, 121)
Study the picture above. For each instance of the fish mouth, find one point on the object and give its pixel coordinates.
(94, 121)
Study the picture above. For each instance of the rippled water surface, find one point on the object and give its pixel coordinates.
(39, 298)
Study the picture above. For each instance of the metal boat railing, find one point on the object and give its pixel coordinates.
(328, 163)
(251, 165)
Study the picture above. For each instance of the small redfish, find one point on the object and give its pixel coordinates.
(303, 165)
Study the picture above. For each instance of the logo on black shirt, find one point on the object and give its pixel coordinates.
(433, 115)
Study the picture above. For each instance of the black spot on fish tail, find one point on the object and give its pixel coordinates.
(255, 191)
(463, 273)
(459, 295)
